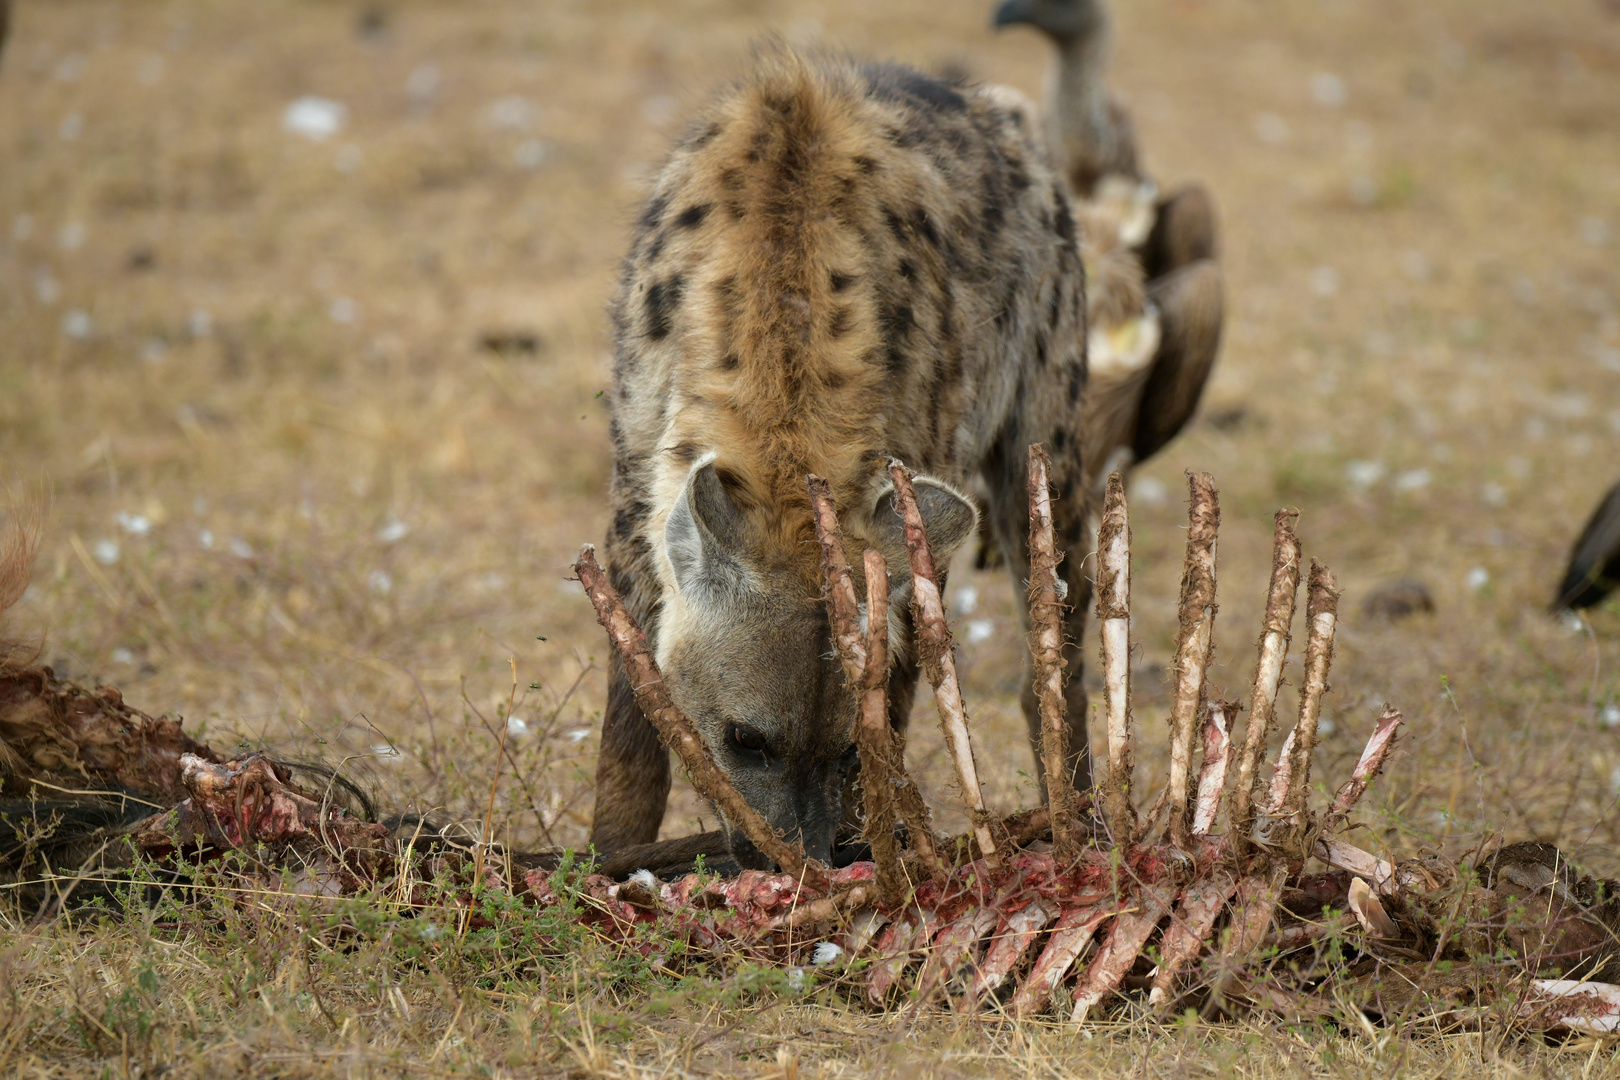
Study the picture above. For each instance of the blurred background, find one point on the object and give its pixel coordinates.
(302, 331)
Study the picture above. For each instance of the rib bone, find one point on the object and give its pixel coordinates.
(934, 643)
(1045, 615)
(1322, 613)
(1217, 757)
(1194, 643)
(1114, 619)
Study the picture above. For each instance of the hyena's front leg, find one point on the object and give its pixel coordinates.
(1009, 512)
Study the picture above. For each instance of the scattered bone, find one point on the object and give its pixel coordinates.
(1372, 760)
(1369, 912)
(1217, 757)
(1322, 612)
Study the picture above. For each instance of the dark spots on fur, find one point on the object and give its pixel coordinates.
(1040, 350)
(840, 282)
(693, 216)
(842, 319)
(629, 518)
(1060, 439)
(655, 246)
(735, 210)
(894, 323)
(1054, 308)
(1077, 383)
(654, 212)
(924, 226)
(866, 165)
(731, 179)
(908, 270)
(757, 145)
(897, 227)
(730, 362)
(663, 297)
(891, 82)
(1064, 221)
(836, 380)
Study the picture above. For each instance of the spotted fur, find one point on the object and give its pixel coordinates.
(838, 265)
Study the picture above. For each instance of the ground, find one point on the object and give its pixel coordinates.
(318, 413)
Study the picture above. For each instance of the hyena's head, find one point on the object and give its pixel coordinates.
(747, 653)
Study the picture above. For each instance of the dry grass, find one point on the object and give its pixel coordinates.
(295, 501)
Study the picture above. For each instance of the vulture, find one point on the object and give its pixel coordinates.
(1594, 565)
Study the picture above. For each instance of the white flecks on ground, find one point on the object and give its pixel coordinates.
(71, 127)
(1414, 480)
(315, 118)
(343, 311)
(150, 71)
(517, 727)
(200, 323)
(1361, 475)
(1416, 265)
(206, 538)
(422, 85)
(964, 600)
(658, 110)
(71, 67)
(1595, 231)
(1610, 715)
(1571, 406)
(1478, 578)
(46, 289)
(393, 532)
(380, 582)
(578, 735)
(1614, 781)
(1579, 445)
(241, 548)
(76, 324)
(490, 581)
(134, 524)
(1536, 428)
(513, 112)
(826, 952)
(153, 350)
(1328, 89)
(348, 159)
(1149, 491)
(1608, 358)
(531, 153)
(978, 631)
(123, 657)
(1271, 129)
(1324, 281)
(1364, 190)
(1493, 494)
(70, 237)
(105, 552)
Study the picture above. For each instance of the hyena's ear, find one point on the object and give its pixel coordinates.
(949, 516)
(705, 536)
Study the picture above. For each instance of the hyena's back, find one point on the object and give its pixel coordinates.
(838, 265)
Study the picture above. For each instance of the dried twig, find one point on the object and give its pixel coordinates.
(1046, 617)
(1114, 619)
(1274, 640)
(934, 644)
(1194, 643)
(676, 730)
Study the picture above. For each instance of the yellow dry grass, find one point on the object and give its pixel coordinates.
(296, 501)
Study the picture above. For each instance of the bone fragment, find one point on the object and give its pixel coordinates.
(1218, 748)
(1114, 619)
(1071, 935)
(1369, 912)
(1592, 1008)
(1274, 640)
(1014, 936)
(1322, 613)
(934, 643)
(677, 731)
(1372, 760)
(1046, 617)
(1200, 905)
(1379, 873)
(1194, 642)
(862, 929)
(1252, 908)
(1282, 776)
(1124, 943)
(911, 934)
(951, 948)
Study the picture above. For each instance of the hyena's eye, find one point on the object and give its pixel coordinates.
(746, 738)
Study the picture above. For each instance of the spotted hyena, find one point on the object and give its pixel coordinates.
(839, 265)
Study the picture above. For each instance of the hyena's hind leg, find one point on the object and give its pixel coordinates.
(1007, 474)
